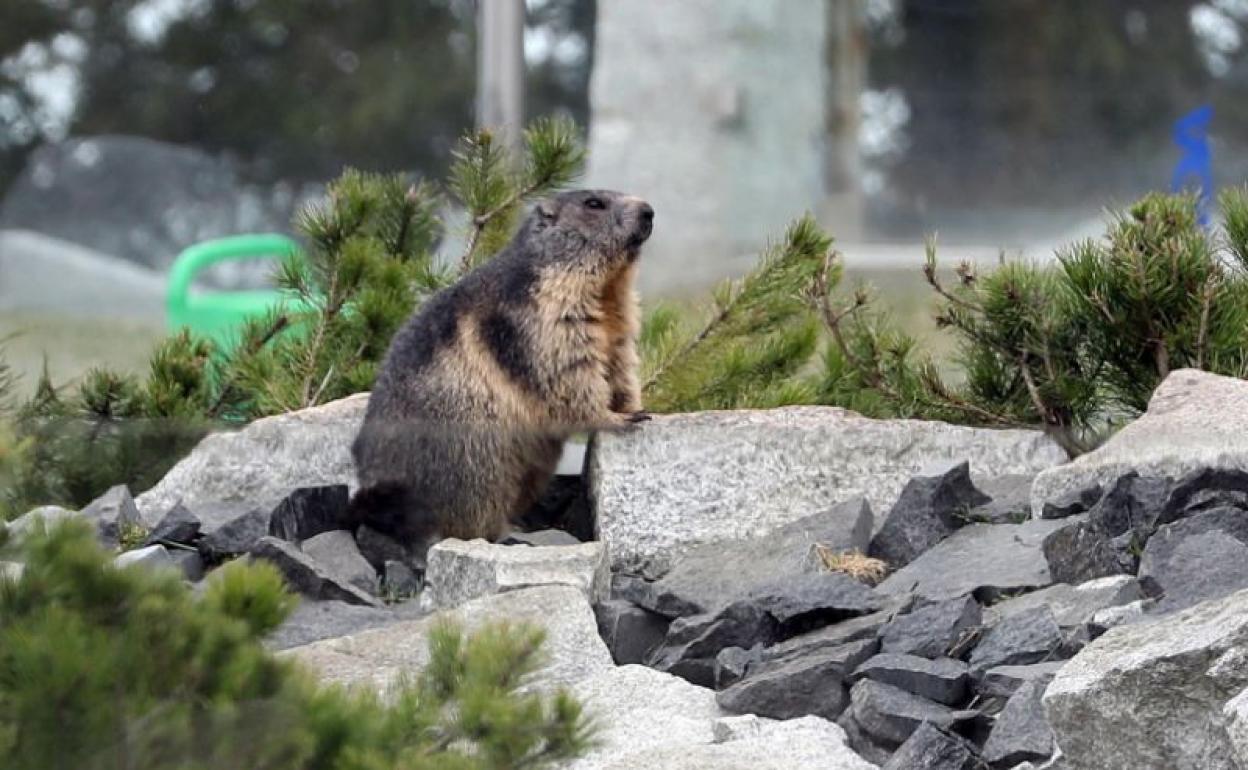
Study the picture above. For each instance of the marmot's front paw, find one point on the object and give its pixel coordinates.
(637, 417)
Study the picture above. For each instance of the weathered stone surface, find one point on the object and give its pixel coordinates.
(114, 512)
(891, 715)
(306, 575)
(630, 632)
(1236, 715)
(1151, 694)
(692, 643)
(237, 536)
(810, 684)
(542, 537)
(926, 512)
(309, 511)
(1109, 617)
(1079, 551)
(399, 581)
(1206, 488)
(336, 552)
(314, 620)
(265, 461)
(178, 525)
(153, 557)
(1070, 503)
(46, 516)
(1072, 605)
(189, 562)
(981, 559)
(1194, 420)
(1009, 499)
(681, 480)
(1021, 732)
(377, 657)
(852, 630)
(1004, 681)
(867, 746)
(1197, 558)
(462, 570)
(709, 576)
(931, 748)
(732, 663)
(943, 680)
(1030, 636)
(803, 602)
(931, 631)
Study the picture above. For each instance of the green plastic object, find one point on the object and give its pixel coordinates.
(218, 314)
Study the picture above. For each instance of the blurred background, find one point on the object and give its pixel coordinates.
(133, 129)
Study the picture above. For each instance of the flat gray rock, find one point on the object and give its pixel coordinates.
(153, 557)
(1009, 499)
(1201, 557)
(314, 620)
(931, 748)
(811, 684)
(1151, 694)
(307, 576)
(852, 630)
(981, 559)
(1021, 732)
(336, 551)
(1030, 636)
(459, 570)
(1072, 605)
(931, 631)
(1004, 681)
(683, 480)
(891, 715)
(943, 680)
(630, 632)
(1194, 420)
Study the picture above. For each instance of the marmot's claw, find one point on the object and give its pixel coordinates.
(637, 417)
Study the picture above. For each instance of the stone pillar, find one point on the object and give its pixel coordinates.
(714, 110)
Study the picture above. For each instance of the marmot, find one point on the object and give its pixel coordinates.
(482, 385)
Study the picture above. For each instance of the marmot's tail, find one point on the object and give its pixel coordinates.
(390, 508)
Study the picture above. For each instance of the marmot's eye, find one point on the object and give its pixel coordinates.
(595, 203)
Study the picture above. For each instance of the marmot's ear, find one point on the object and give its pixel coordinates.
(545, 213)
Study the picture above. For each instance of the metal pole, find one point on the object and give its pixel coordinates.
(500, 67)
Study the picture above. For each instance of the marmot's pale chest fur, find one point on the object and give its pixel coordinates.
(481, 387)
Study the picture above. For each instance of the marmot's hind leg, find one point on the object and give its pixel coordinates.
(391, 509)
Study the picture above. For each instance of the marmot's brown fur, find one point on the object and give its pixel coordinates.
(481, 387)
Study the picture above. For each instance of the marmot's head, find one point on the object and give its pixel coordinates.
(591, 227)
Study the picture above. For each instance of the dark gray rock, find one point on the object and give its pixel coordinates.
(931, 748)
(933, 630)
(1204, 489)
(835, 635)
(986, 560)
(337, 552)
(864, 744)
(1031, 636)
(114, 512)
(811, 684)
(630, 632)
(708, 577)
(378, 549)
(178, 525)
(306, 576)
(643, 593)
(1072, 606)
(310, 511)
(1009, 500)
(929, 509)
(691, 644)
(540, 538)
(1003, 681)
(1021, 732)
(237, 536)
(399, 581)
(1133, 504)
(189, 562)
(943, 680)
(1201, 557)
(1081, 551)
(315, 620)
(732, 663)
(1071, 503)
(890, 715)
(812, 600)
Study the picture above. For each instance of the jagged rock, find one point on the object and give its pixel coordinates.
(1009, 499)
(860, 741)
(542, 537)
(189, 562)
(1072, 606)
(681, 480)
(732, 663)
(630, 632)
(710, 576)
(178, 525)
(314, 620)
(336, 552)
(462, 570)
(933, 630)
(982, 559)
(931, 748)
(379, 548)
(237, 536)
(399, 581)
(265, 461)
(47, 516)
(1004, 681)
(1206, 488)
(1080, 551)
(1109, 617)
(1071, 503)
(692, 643)
(803, 602)
(943, 680)
(835, 635)
(890, 714)
(1021, 732)
(1236, 715)
(1031, 636)
(306, 575)
(1197, 558)
(810, 684)
(1194, 420)
(114, 512)
(377, 658)
(1151, 694)
(310, 511)
(926, 512)
(153, 557)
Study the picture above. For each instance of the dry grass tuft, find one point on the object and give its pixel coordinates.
(856, 564)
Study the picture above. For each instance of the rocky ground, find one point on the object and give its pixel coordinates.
(711, 584)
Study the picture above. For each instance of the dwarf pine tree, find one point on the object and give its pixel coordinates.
(114, 668)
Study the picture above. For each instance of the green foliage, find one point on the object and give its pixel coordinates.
(119, 668)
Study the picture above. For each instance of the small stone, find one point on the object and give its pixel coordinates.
(542, 537)
(926, 512)
(1071, 503)
(931, 748)
(692, 643)
(178, 525)
(238, 536)
(190, 563)
(1030, 636)
(630, 632)
(459, 570)
(336, 552)
(399, 581)
(891, 715)
(933, 630)
(811, 684)
(943, 680)
(310, 511)
(1004, 681)
(1021, 732)
(153, 557)
(306, 576)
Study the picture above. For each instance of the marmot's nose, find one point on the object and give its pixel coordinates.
(647, 213)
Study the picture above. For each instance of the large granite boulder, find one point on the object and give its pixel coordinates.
(1153, 694)
(1194, 420)
(686, 479)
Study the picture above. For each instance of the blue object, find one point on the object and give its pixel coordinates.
(1191, 134)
